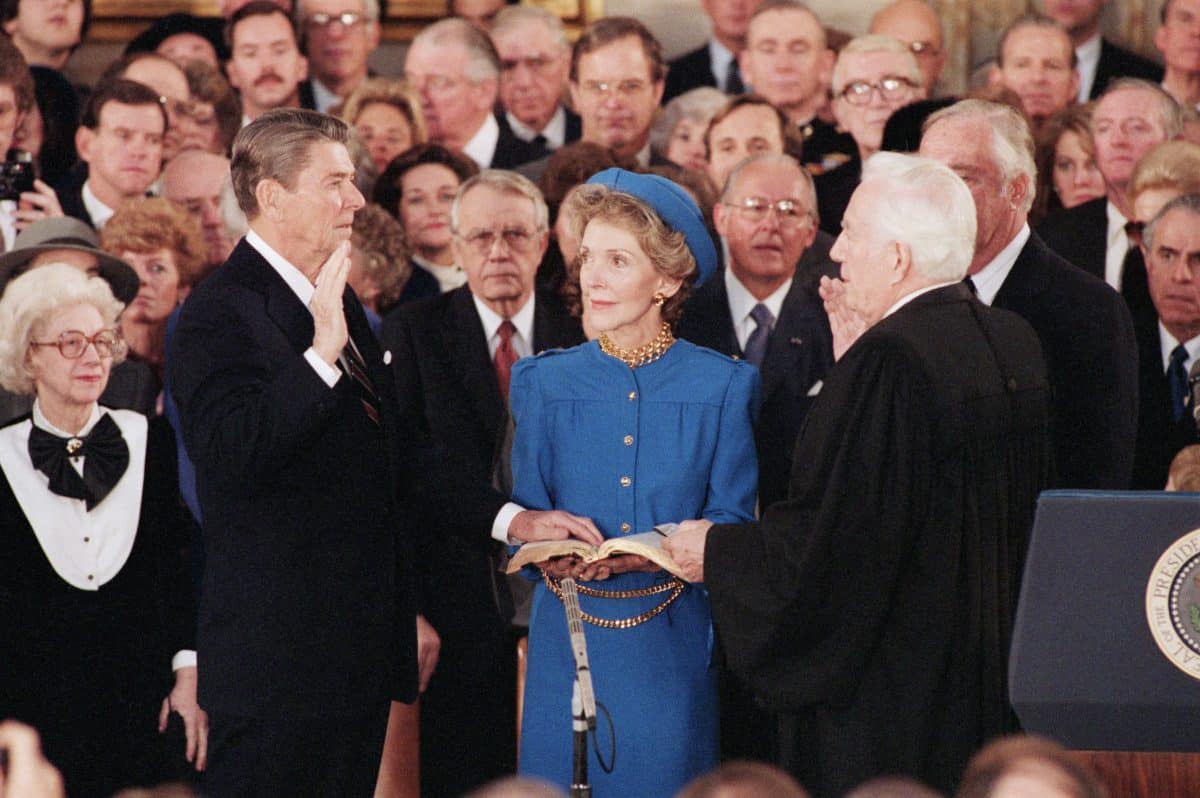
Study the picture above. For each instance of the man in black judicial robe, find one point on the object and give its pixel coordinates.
(873, 607)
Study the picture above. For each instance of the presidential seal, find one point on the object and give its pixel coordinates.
(1173, 603)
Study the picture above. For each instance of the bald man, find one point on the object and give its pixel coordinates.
(917, 25)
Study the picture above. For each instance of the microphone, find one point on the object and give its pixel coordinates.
(1194, 390)
(583, 672)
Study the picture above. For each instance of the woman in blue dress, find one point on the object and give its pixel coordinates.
(631, 430)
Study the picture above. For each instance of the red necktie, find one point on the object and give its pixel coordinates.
(505, 356)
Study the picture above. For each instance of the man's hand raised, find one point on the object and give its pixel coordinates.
(329, 319)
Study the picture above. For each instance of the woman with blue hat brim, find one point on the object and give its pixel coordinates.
(631, 430)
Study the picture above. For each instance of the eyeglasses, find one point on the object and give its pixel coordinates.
(890, 88)
(517, 239)
(789, 212)
(347, 19)
(1134, 231)
(625, 88)
(538, 64)
(924, 49)
(73, 343)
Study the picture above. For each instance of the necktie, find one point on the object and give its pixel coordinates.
(733, 79)
(756, 344)
(1177, 382)
(505, 356)
(354, 366)
(106, 458)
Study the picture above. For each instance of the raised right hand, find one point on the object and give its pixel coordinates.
(329, 319)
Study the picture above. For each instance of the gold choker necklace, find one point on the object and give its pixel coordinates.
(646, 353)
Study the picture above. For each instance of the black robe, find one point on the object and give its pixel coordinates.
(874, 606)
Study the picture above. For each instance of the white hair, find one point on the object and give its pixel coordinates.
(31, 300)
(697, 105)
(505, 182)
(512, 16)
(1012, 141)
(875, 43)
(483, 62)
(924, 205)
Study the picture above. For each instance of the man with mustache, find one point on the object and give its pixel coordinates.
(265, 64)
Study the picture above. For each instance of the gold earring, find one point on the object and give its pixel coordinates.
(659, 299)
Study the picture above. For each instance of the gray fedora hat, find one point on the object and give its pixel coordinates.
(65, 232)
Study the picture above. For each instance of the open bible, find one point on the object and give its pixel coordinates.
(643, 544)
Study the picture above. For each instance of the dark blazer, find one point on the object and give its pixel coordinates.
(1159, 436)
(70, 197)
(307, 98)
(447, 388)
(799, 352)
(1079, 234)
(1117, 62)
(307, 607)
(689, 71)
(512, 151)
(1087, 338)
(834, 189)
(902, 133)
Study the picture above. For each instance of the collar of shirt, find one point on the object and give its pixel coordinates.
(1116, 246)
(904, 300)
(741, 302)
(989, 279)
(40, 421)
(555, 131)
(1168, 343)
(8, 224)
(523, 320)
(323, 96)
(448, 277)
(294, 278)
(643, 156)
(719, 56)
(482, 146)
(1087, 58)
(96, 209)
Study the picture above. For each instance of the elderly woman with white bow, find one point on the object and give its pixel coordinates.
(96, 616)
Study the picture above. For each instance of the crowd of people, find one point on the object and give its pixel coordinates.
(294, 356)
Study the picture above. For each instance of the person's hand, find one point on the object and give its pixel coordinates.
(529, 525)
(41, 203)
(429, 645)
(329, 318)
(686, 547)
(617, 564)
(182, 701)
(28, 773)
(845, 322)
(560, 567)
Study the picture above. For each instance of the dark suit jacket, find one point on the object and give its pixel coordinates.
(512, 151)
(1159, 436)
(902, 133)
(70, 197)
(1117, 62)
(307, 607)
(1091, 356)
(1079, 234)
(834, 189)
(799, 352)
(689, 71)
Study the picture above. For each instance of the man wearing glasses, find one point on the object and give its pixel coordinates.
(534, 66)
(454, 67)
(452, 359)
(874, 75)
(338, 37)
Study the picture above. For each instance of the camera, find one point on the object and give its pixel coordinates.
(16, 175)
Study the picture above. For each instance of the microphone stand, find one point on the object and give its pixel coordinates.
(583, 699)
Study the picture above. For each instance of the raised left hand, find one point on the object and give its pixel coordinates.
(182, 701)
(686, 547)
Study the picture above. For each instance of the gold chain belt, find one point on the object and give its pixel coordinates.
(675, 587)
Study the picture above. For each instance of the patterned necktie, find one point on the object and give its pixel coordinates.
(354, 366)
(733, 79)
(1177, 382)
(505, 356)
(756, 344)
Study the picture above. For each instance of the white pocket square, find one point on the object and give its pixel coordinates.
(816, 388)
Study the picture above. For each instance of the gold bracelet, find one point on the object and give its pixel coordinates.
(676, 587)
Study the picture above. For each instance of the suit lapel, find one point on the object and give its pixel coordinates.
(791, 347)
(553, 327)
(1026, 280)
(284, 308)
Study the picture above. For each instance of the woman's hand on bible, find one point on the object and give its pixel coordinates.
(529, 525)
(182, 700)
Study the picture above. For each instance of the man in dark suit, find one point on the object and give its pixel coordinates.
(1168, 343)
(1130, 118)
(896, 557)
(714, 63)
(306, 626)
(1100, 61)
(455, 68)
(535, 60)
(1084, 327)
(765, 308)
(451, 360)
(338, 37)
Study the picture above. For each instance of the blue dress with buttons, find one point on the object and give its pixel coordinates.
(631, 448)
